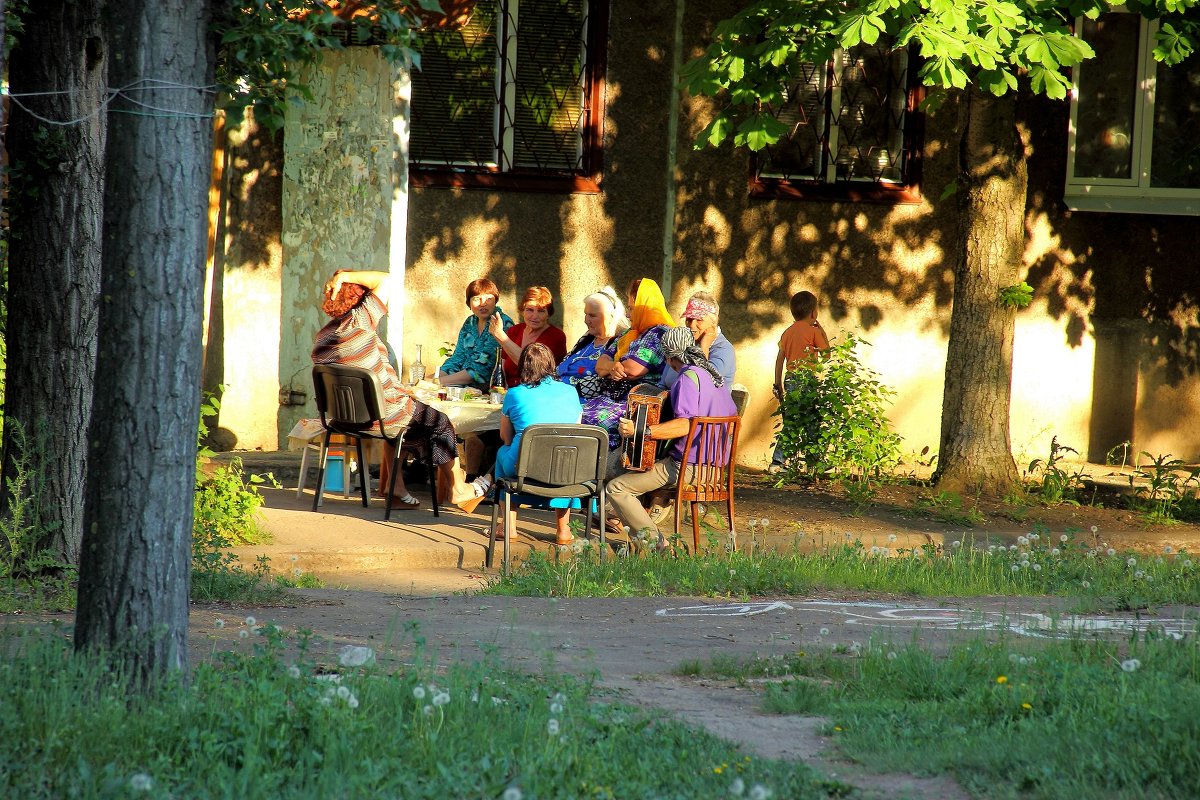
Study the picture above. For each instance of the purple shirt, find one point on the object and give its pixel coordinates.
(699, 398)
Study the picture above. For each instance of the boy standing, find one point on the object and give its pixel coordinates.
(801, 341)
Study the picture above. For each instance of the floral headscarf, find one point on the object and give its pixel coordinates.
(649, 309)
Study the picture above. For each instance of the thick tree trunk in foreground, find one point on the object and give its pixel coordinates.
(975, 454)
(56, 207)
(135, 565)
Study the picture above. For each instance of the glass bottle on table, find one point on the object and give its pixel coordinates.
(416, 372)
(497, 386)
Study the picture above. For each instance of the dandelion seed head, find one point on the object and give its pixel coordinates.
(441, 698)
(295, 559)
(419, 692)
(1187, 563)
(1054, 551)
(1131, 561)
(1012, 548)
(552, 726)
(1087, 584)
(251, 622)
(1021, 540)
(1138, 574)
(1095, 529)
(1037, 567)
(556, 708)
(764, 522)
(891, 537)
(1168, 550)
(1035, 537)
(759, 792)
(512, 793)
(956, 544)
(1016, 567)
(427, 711)
(737, 788)
(244, 634)
(297, 572)
(343, 692)
(352, 701)
(891, 656)
(294, 671)
(1149, 578)
(141, 782)
(1063, 538)
(1130, 665)
(991, 548)
(1111, 551)
(824, 631)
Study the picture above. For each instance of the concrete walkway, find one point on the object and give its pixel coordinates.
(351, 547)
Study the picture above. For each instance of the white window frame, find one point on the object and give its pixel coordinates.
(1132, 195)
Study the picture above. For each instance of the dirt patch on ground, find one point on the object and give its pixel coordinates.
(915, 513)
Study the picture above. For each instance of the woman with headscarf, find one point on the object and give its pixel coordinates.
(355, 303)
(636, 358)
(700, 391)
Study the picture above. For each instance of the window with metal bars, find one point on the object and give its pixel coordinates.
(853, 130)
(511, 99)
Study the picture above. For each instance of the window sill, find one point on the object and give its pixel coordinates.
(1131, 201)
(426, 178)
(876, 193)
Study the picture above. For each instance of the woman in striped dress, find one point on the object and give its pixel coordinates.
(355, 304)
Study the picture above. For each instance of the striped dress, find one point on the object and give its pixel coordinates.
(352, 340)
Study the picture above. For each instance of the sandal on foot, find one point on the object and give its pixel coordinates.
(405, 503)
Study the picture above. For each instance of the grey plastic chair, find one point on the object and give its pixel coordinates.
(350, 401)
(554, 462)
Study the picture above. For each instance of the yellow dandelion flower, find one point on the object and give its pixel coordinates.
(1026, 706)
(718, 770)
(837, 727)
(1002, 679)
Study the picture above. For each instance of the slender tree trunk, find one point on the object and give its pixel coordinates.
(976, 453)
(135, 565)
(56, 207)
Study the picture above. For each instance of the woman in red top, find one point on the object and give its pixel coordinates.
(536, 308)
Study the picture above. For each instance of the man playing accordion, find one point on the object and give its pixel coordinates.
(700, 391)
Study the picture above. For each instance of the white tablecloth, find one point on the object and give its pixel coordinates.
(470, 416)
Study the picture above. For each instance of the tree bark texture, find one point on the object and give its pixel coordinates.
(56, 207)
(975, 452)
(135, 564)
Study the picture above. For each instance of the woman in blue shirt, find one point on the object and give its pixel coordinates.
(539, 398)
(474, 356)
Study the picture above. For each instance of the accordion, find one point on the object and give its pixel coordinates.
(645, 409)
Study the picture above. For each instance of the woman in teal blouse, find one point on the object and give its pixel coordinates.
(474, 356)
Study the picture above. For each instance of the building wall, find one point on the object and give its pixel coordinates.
(1106, 353)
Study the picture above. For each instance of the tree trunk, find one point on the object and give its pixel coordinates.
(135, 564)
(56, 207)
(975, 453)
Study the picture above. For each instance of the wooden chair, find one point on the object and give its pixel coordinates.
(706, 475)
(557, 467)
(350, 400)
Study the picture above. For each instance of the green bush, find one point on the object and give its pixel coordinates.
(834, 420)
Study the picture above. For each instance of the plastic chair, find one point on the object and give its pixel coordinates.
(554, 463)
(707, 475)
(350, 401)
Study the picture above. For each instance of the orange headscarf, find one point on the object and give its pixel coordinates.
(649, 309)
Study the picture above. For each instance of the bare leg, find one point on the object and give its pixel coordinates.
(385, 470)
(562, 518)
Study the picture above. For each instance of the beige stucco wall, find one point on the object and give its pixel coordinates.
(1106, 352)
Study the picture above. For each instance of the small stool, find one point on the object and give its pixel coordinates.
(314, 444)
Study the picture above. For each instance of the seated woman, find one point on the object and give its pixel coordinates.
(536, 308)
(474, 356)
(537, 398)
(355, 306)
(637, 358)
(603, 399)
